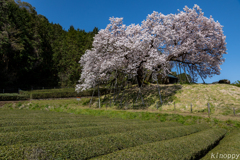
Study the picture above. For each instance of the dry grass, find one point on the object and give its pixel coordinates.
(221, 97)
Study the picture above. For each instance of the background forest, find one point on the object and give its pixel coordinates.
(35, 52)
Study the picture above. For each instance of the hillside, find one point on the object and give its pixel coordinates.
(221, 97)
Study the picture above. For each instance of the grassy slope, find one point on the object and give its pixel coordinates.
(222, 97)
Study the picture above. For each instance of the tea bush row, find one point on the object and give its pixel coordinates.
(5, 123)
(60, 93)
(229, 145)
(71, 133)
(187, 147)
(22, 115)
(90, 147)
(31, 121)
(54, 126)
(12, 97)
(53, 118)
(68, 125)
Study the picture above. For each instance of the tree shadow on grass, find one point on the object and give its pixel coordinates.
(132, 97)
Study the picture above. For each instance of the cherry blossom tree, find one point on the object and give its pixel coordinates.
(186, 39)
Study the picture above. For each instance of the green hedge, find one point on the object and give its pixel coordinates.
(86, 148)
(188, 147)
(70, 125)
(228, 148)
(45, 121)
(71, 133)
(12, 97)
(54, 126)
(5, 123)
(60, 93)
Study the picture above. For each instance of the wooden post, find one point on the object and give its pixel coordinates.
(91, 98)
(233, 111)
(208, 110)
(99, 97)
(191, 107)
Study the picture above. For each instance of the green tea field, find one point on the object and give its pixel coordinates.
(39, 134)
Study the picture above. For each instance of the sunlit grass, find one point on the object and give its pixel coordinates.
(222, 98)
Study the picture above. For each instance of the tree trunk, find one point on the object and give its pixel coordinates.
(186, 75)
(148, 76)
(201, 77)
(99, 97)
(91, 98)
(140, 76)
(180, 73)
(159, 92)
(122, 95)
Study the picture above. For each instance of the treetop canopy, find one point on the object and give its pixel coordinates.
(187, 38)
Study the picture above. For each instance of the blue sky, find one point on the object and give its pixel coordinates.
(88, 14)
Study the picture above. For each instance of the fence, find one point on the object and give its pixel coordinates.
(208, 109)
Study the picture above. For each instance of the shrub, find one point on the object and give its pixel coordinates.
(60, 93)
(71, 133)
(229, 145)
(90, 147)
(187, 147)
(237, 83)
(12, 97)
